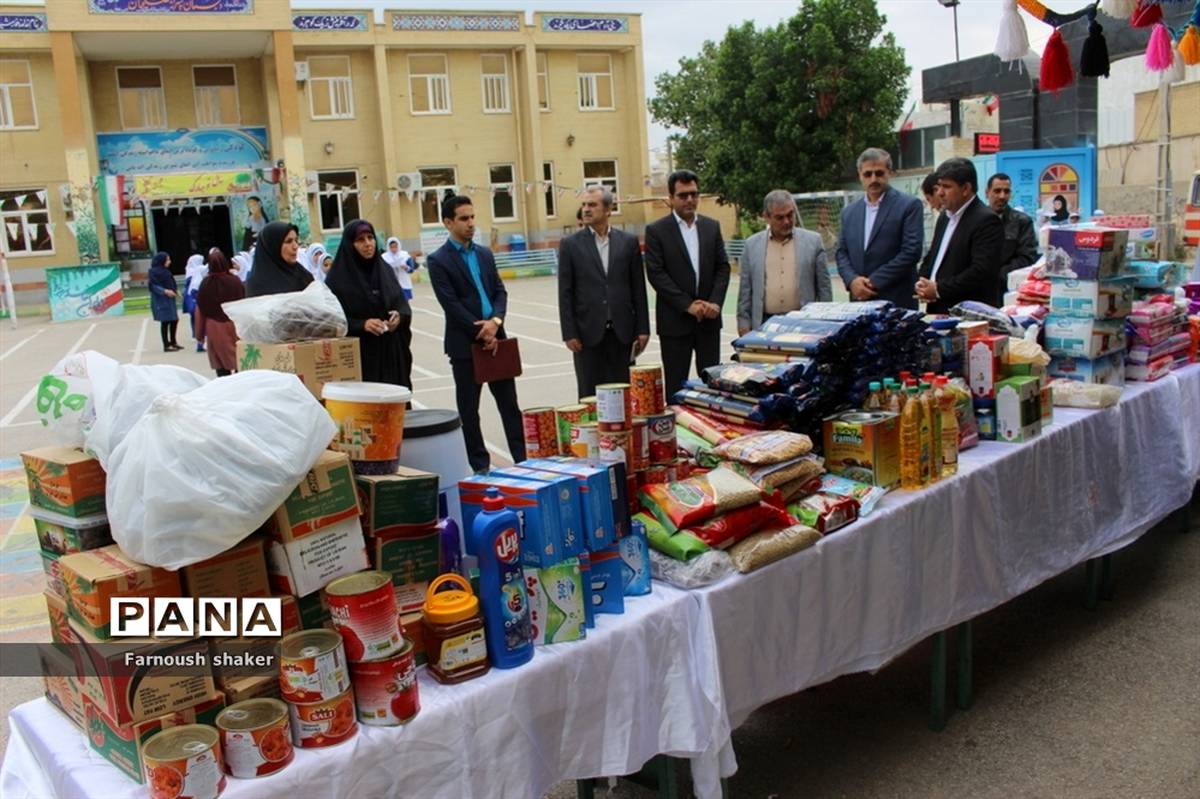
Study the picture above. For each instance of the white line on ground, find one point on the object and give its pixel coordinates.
(29, 395)
(425, 373)
(23, 424)
(532, 302)
(495, 450)
(21, 344)
(141, 342)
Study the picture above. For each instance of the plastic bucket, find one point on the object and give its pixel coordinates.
(370, 423)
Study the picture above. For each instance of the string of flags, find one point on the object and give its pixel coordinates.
(434, 193)
(1168, 49)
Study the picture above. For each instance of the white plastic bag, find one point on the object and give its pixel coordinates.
(1074, 394)
(64, 396)
(704, 569)
(293, 316)
(201, 471)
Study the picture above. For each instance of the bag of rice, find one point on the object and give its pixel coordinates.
(769, 546)
(769, 446)
(687, 502)
(729, 528)
(799, 488)
(772, 475)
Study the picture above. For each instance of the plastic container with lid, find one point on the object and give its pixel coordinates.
(66, 535)
(455, 640)
(370, 420)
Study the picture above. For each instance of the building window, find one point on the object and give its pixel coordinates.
(437, 183)
(595, 82)
(602, 173)
(337, 195)
(428, 84)
(330, 89)
(548, 185)
(543, 81)
(140, 92)
(216, 96)
(26, 220)
(504, 192)
(495, 84)
(17, 109)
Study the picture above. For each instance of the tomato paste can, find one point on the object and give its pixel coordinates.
(640, 444)
(326, 723)
(615, 447)
(256, 738)
(312, 666)
(585, 440)
(646, 388)
(661, 437)
(589, 405)
(184, 763)
(566, 417)
(683, 469)
(385, 690)
(614, 407)
(541, 432)
(362, 607)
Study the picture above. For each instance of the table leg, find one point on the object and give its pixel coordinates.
(725, 794)
(1092, 577)
(668, 776)
(966, 663)
(585, 789)
(937, 682)
(1106, 578)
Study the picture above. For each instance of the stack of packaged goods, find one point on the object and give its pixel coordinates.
(1141, 233)
(1154, 278)
(1160, 339)
(1191, 292)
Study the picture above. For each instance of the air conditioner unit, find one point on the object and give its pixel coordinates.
(301, 71)
(408, 181)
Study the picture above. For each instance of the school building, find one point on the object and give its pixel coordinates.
(133, 126)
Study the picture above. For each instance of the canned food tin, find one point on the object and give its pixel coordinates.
(631, 496)
(566, 417)
(683, 469)
(654, 474)
(184, 763)
(323, 723)
(585, 440)
(614, 407)
(541, 432)
(646, 386)
(312, 666)
(589, 404)
(256, 738)
(661, 437)
(614, 448)
(363, 610)
(385, 691)
(640, 444)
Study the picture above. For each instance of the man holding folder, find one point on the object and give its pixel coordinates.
(473, 298)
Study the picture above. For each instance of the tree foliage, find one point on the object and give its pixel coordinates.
(788, 106)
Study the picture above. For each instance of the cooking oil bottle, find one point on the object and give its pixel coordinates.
(874, 397)
(946, 402)
(910, 443)
(930, 406)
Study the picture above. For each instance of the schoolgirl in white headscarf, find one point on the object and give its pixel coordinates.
(193, 276)
(401, 263)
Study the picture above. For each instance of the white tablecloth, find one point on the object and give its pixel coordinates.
(634, 688)
(1189, 401)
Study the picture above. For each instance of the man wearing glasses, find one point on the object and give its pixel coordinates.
(882, 236)
(687, 265)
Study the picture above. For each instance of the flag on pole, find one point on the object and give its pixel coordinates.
(907, 124)
(114, 200)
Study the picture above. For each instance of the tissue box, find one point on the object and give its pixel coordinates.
(1085, 254)
(1091, 299)
(569, 505)
(606, 581)
(556, 601)
(635, 561)
(537, 506)
(1084, 338)
(1107, 370)
(985, 358)
(1018, 409)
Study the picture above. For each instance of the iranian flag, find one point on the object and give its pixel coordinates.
(114, 200)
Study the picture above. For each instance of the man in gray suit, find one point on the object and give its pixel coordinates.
(783, 267)
(882, 236)
(602, 305)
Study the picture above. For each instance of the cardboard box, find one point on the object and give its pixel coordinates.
(54, 576)
(96, 576)
(536, 504)
(398, 502)
(301, 567)
(65, 535)
(223, 651)
(1046, 401)
(598, 504)
(64, 480)
(1085, 253)
(414, 630)
(986, 356)
(973, 328)
(570, 509)
(314, 612)
(122, 744)
(251, 688)
(61, 681)
(290, 607)
(240, 571)
(864, 447)
(56, 610)
(410, 597)
(556, 598)
(1018, 409)
(1108, 370)
(327, 360)
(605, 581)
(410, 558)
(128, 693)
(326, 496)
(1084, 338)
(1092, 299)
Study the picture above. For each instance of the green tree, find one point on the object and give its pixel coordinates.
(789, 106)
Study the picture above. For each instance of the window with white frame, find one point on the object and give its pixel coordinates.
(17, 109)
(595, 82)
(548, 186)
(495, 83)
(437, 183)
(140, 95)
(543, 81)
(337, 198)
(330, 87)
(216, 90)
(502, 179)
(25, 216)
(428, 84)
(602, 173)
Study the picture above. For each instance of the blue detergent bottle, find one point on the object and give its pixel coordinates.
(496, 536)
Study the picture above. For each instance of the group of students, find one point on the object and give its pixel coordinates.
(373, 288)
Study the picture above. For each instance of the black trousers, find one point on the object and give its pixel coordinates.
(405, 331)
(677, 356)
(466, 395)
(607, 362)
(167, 331)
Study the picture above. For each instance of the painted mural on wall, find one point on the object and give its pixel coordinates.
(183, 150)
(85, 292)
(83, 223)
(298, 204)
(171, 6)
(1041, 176)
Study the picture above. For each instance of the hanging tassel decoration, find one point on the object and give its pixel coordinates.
(1056, 64)
(1158, 52)
(1178, 70)
(1093, 58)
(1189, 46)
(1118, 9)
(1146, 13)
(1013, 40)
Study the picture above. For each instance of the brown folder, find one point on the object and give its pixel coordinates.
(503, 364)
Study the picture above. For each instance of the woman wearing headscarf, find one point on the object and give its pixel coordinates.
(401, 263)
(163, 291)
(375, 307)
(316, 258)
(1061, 213)
(276, 268)
(220, 286)
(243, 262)
(193, 276)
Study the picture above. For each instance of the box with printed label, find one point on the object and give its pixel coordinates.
(536, 505)
(1085, 254)
(1084, 338)
(314, 611)
(60, 630)
(54, 576)
(326, 496)
(122, 744)
(413, 557)
(64, 480)
(65, 535)
(1107, 370)
(1018, 409)
(61, 681)
(397, 502)
(570, 507)
(239, 571)
(251, 688)
(595, 496)
(635, 561)
(985, 358)
(94, 577)
(606, 581)
(556, 600)
(1092, 299)
(306, 565)
(317, 362)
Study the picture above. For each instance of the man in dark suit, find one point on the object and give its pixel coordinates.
(687, 265)
(602, 304)
(963, 263)
(1020, 242)
(882, 236)
(471, 294)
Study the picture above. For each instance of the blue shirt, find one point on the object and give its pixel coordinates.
(472, 260)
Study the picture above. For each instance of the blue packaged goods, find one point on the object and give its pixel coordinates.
(713, 401)
(842, 311)
(1155, 274)
(1084, 338)
(607, 584)
(1086, 253)
(635, 560)
(597, 493)
(756, 380)
(585, 573)
(535, 503)
(1091, 299)
(571, 529)
(502, 596)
